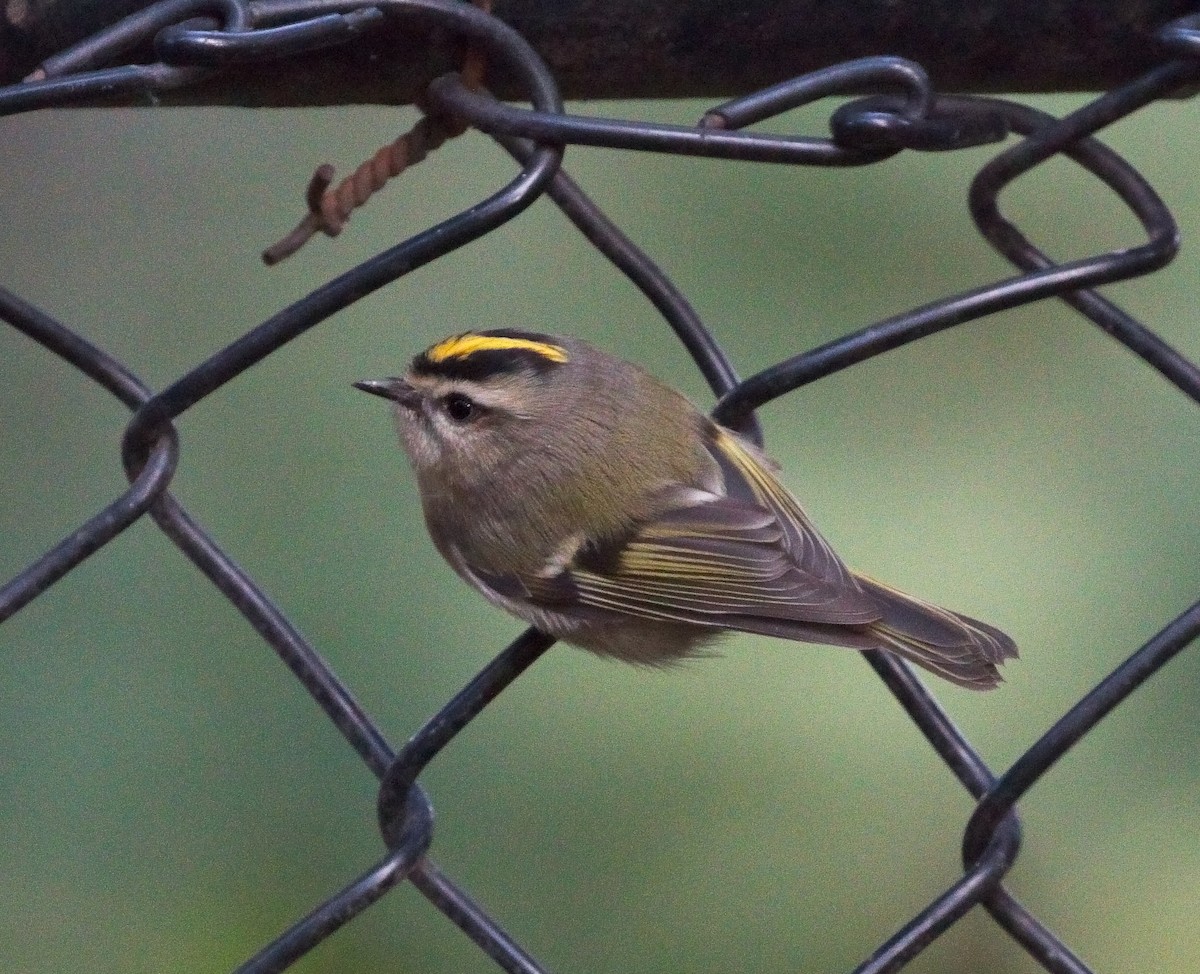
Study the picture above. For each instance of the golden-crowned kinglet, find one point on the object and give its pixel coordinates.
(579, 493)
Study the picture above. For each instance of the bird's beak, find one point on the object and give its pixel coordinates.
(397, 390)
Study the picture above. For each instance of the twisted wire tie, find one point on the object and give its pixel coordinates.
(330, 209)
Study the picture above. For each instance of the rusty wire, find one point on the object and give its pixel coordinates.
(865, 130)
(329, 207)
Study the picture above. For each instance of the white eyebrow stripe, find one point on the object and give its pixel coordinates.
(509, 396)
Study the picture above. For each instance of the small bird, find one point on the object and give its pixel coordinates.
(581, 494)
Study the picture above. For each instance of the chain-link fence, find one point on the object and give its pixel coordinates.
(900, 112)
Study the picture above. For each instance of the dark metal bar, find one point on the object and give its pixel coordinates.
(151, 481)
(1043, 279)
(936, 918)
(219, 48)
(472, 919)
(1080, 719)
(396, 787)
(628, 48)
(351, 901)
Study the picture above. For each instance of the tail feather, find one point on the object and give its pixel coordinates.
(956, 647)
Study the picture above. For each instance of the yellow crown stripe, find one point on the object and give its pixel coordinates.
(460, 346)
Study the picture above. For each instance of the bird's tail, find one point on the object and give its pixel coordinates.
(955, 647)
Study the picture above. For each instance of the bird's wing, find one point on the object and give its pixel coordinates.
(719, 561)
(749, 476)
(714, 563)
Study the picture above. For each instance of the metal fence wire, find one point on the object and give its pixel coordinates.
(864, 130)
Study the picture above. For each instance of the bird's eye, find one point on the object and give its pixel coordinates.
(458, 407)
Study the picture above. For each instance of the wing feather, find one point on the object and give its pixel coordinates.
(714, 563)
(748, 474)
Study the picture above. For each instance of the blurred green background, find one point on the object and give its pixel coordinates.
(171, 800)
